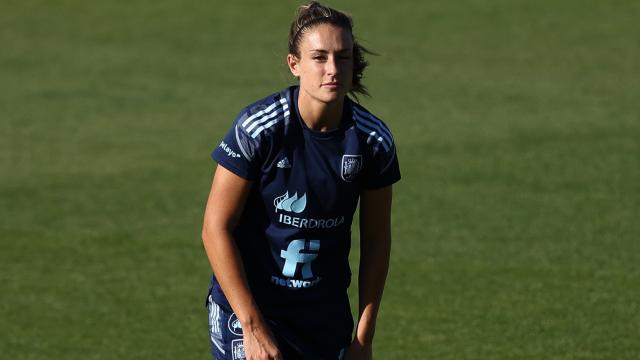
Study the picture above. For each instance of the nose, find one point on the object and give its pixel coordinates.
(331, 66)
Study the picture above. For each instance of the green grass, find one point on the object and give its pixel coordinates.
(515, 225)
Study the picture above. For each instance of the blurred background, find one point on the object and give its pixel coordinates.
(516, 224)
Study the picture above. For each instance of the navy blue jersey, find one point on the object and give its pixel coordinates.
(294, 234)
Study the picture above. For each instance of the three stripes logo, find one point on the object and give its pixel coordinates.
(266, 118)
(374, 127)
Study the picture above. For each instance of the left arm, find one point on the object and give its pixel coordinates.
(375, 247)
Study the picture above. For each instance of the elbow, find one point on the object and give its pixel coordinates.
(206, 238)
(204, 235)
(212, 231)
(208, 234)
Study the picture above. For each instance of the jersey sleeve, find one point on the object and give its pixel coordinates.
(239, 152)
(383, 169)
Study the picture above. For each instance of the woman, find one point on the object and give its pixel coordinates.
(278, 220)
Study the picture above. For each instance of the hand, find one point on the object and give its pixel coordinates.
(359, 351)
(259, 343)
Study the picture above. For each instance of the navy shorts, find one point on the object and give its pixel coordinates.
(225, 334)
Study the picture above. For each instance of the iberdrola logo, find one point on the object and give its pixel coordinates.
(291, 203)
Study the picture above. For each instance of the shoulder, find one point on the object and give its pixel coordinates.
(264, 117)
(372, 130)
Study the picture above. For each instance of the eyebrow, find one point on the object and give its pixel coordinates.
(326, 52)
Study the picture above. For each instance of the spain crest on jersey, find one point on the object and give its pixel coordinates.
(351, 166)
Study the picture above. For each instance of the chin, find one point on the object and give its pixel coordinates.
(325, 96)
(333, 96)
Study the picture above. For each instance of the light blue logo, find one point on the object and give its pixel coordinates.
(234, 325)
(291, 203)
(299, 252)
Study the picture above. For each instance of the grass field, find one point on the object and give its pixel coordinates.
(516, 224)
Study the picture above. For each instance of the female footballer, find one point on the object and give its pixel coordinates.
(277, 225)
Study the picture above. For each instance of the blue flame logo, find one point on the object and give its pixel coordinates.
(291, 203)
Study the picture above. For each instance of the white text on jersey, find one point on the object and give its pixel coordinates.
(303, 223)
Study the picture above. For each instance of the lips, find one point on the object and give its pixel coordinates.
(331, 84)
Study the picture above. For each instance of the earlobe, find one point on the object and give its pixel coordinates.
(292, 62)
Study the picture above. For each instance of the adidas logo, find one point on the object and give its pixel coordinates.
(284, 163)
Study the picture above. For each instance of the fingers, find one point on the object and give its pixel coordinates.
(264, 356)
(260, 345)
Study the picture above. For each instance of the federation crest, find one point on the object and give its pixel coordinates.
(351, 166)
(237, 349)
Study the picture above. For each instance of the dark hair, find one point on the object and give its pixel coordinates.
(313, 14)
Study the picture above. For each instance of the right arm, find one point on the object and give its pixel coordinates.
(225, 204)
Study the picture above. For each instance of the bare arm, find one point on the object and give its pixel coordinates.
(375, 247)
(225, 204)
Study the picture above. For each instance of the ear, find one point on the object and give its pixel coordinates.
(293, 63)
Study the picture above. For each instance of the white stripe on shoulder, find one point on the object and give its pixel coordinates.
(279, 115)
(273, 114)
(263, 112)
(269, 124)
(242, 150)
(374, 128)
(380, 125)
(372, 133)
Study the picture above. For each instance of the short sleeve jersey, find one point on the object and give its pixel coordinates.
(294, 235)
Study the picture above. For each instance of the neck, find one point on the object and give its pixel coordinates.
(318, 115)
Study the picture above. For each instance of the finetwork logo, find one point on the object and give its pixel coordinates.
(301, 252)
(291, 204)
(297, 254)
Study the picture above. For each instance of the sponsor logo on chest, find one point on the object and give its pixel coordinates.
(294, 204)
